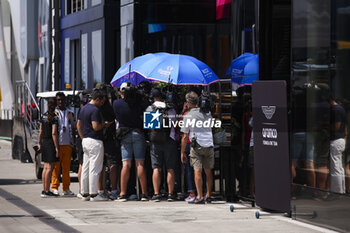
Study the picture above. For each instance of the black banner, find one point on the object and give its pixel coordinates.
(271, 152)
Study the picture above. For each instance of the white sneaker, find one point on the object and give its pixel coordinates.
(98, 198)
(67, 193)
(190, 197)
(55, 191)
(85, 198)
(79, 195)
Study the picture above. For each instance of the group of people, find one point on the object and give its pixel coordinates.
(320, 141)
(55, 138)
(112, 135)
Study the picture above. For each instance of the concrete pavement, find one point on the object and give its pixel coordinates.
(23, 210)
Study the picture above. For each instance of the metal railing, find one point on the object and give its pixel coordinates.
(27, 108)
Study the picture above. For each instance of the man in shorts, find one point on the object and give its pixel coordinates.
(128, 112)
(202, 147)
(163, 147)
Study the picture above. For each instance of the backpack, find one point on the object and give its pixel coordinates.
(162, 134)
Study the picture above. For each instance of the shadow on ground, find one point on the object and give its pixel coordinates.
(32, 181)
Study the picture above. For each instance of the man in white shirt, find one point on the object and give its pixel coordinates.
(202, 146)
(65, 127)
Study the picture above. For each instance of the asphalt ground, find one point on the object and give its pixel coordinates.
(23, 210)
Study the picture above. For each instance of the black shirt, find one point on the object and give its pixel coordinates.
(47, 126)
(108, 115)
(338, 114)
(88, 114)
(128, 116)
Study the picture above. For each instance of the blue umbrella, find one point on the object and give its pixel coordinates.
(136, 70)
(182, 70)
(244, 69)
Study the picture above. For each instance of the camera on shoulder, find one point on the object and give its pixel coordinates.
(206, 102)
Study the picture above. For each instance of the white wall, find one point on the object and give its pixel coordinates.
(7, 93)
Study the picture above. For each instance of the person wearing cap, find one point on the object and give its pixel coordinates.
(133, 143)
(202, 147)
(163, 147)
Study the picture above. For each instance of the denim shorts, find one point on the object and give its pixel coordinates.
(133, 144)
(303, 147)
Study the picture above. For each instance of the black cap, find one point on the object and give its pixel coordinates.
(156, 93)
(146, 86)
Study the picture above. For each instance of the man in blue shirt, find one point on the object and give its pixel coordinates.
(128, 113)
(90, 128)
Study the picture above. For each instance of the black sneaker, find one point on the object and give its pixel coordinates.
(208, 199)
(43, 194)
(199, 201)
(171, 197)
(156, 198)
(122, 198)
(144, 197)
(51, 194)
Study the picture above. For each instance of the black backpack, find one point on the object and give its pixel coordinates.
(162, 134)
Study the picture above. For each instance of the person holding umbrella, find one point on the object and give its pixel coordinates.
(128, 112)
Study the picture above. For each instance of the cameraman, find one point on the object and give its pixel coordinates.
(163, 147)
(128, 112)
(202, 147)
(144, 90)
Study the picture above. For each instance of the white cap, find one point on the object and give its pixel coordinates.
(124, 85)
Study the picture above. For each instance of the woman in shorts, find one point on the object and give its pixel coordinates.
(48, 145)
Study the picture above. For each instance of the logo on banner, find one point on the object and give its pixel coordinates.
(268, 111)
(151, 120)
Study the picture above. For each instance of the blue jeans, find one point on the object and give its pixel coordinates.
(133, 144)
